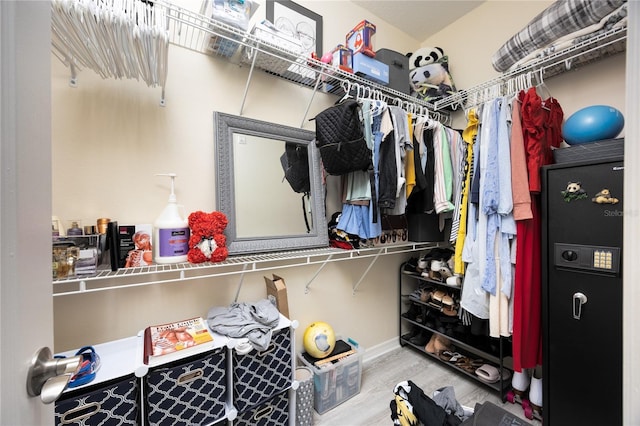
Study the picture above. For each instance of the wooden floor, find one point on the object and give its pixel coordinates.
(371, 406)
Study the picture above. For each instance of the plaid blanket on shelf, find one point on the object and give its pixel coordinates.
(560, 19)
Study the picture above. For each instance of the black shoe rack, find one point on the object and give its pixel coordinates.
(424, 317)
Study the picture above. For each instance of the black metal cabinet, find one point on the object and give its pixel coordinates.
(582, 236)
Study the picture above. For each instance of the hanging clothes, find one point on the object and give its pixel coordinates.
(469, 138)
(458, 162)
(410, 165)
(421, 198)
(387, 165)
(474, 299)
(541, 125)
(519, 175)
(443, 178)
(359, 212)
(402, 145)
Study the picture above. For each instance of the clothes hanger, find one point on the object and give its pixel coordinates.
(541, 86)
(346, 87)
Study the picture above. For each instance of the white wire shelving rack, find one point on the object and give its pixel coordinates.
(552, 62)
(123, 278)
(199, 33)
(195, 31)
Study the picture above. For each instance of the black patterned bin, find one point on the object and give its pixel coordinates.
(258, 376)
(273, 412)
(187, 392)
(114, 402)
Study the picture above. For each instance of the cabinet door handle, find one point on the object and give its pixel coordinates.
(579, 299)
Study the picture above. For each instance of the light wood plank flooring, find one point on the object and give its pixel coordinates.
(379, 376)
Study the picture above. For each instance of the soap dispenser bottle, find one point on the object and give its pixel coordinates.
(171, 231)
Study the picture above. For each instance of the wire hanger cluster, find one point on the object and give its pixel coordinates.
(114, 38)
(359, 91)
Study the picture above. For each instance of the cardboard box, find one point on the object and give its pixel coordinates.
(342, 58)
(277, 288)
(360, 38)
(370, 68)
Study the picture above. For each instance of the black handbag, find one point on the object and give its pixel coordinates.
(340, 139)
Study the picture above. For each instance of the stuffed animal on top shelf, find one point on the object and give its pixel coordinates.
(207, 242)
(429, 75)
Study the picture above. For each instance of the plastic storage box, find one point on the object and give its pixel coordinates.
(334, 383)
(398, 69)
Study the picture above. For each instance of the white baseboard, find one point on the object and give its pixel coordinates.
(380, 349)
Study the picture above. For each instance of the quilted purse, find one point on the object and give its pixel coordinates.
(340, 139)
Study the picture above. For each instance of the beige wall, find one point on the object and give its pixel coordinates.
(110, 138)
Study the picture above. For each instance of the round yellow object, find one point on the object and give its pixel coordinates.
(319, 339)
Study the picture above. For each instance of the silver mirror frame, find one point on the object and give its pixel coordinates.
(225, 125)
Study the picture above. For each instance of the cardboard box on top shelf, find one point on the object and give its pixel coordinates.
(360, 38)
(277, 288)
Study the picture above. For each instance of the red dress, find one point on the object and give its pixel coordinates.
(541, 127)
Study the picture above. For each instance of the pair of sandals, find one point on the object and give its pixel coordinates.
(443, 302)
(461, 361)
(88, 367)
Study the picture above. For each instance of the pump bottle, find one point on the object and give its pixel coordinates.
(171, 231)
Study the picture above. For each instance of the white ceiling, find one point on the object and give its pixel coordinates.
(419, 18)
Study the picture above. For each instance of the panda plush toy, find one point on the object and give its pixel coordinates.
(429, 75)
(425, 56)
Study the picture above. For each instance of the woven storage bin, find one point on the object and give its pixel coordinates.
(115, 401)
(273, 412)
(257, 376)
(187, 392)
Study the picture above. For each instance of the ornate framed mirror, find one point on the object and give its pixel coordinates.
(264, 212)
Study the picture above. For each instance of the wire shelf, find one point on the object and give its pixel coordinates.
(552, 63)
(233, 265)
(197, 32)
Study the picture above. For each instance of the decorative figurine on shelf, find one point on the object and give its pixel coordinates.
(207, 242)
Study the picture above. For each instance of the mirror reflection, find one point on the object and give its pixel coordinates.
(263, 183)
(269, 185)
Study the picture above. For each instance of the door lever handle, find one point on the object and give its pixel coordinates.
(579, 299)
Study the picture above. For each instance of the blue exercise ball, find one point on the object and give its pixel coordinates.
(593, 123)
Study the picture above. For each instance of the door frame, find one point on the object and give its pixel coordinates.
(26, 302)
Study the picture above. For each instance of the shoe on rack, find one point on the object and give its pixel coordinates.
(445, 272)
(411, 265)
(437, 298)
(419, 340)
(438, 344)
(422, 264)
(436, 265)
(520, 381)
(449, 306)
(454, 281)
(535, 390)
(425, 294)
